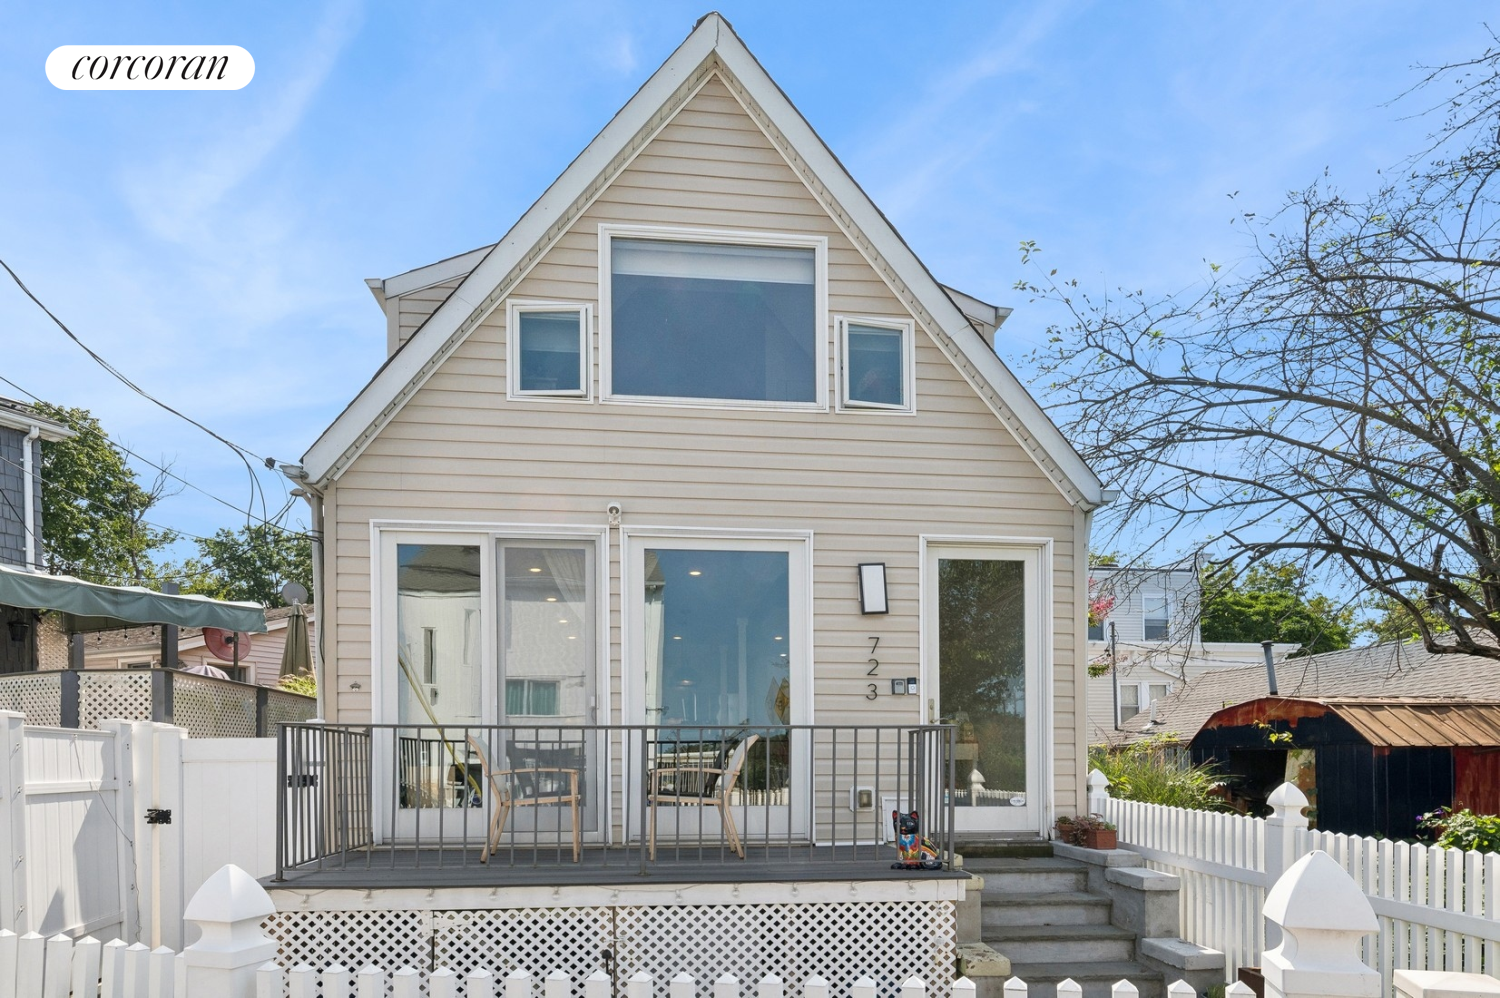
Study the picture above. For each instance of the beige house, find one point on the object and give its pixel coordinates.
(700, 442)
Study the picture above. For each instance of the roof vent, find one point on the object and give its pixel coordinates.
(1270, 666)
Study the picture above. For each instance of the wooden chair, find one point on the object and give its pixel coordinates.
(519, 787)
(702, 786)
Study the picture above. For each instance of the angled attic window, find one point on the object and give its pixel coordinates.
(548, 347)
(718, 318)
(875, 357)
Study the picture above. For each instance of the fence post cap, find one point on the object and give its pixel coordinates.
(1097, 780)
(230, 895)
(1316, 893)
(1443, 984)
(1288, 797)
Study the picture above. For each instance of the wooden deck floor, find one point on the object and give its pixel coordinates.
(456, 867)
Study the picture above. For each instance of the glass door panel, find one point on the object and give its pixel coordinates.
(547, 683)
(985, 607)
(720, 659)
(439, 682)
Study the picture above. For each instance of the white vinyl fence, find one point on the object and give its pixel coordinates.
(1438, 909)
(1315, 905)
(108, 832)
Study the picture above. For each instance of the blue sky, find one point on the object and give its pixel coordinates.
(213, 245)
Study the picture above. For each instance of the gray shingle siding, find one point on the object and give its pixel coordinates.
(13, 546)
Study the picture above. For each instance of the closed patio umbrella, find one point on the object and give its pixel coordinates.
(296, 654)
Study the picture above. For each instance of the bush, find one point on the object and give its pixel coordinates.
(304, 684)
(1151, 772)
(1462, 829)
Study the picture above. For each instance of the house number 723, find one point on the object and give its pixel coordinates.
(874, 664)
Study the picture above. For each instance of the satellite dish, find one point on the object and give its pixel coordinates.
(222, 643)
(293, 593)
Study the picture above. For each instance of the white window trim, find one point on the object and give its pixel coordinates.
(1143, 699)
(908, 331)
(1146, 617)
(819, 245)
(1042, 549)
(513, 310)
(385, 534)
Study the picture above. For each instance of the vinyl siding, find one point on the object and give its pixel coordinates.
(407, 312)
(867, 484)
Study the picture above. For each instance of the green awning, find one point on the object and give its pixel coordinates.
(95, 607)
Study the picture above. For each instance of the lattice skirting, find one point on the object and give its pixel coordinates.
(839, 941)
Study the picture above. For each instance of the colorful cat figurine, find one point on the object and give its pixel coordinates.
(916, 852)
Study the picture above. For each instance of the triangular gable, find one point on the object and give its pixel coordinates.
(712, 48)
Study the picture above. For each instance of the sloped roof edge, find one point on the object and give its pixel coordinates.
(652, 105)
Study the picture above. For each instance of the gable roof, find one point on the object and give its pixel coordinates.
(1383, 670)
(711, 49)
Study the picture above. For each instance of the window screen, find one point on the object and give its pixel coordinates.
(551, 349)
(874, 366)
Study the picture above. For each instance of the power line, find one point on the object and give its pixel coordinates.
(247, 514)
(159, 526)
(239, 451)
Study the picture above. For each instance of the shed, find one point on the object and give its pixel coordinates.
(1369, 765)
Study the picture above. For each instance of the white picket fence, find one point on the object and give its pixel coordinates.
(109, 832)
(1316, 907)
(1438, 909)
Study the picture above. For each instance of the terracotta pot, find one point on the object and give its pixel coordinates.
(1100, 838)
(1064, 830)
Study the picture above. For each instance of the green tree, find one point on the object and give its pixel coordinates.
(93, 506)
(251, 563)
(1271, 602)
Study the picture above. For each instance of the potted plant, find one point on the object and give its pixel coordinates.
(1091, 832)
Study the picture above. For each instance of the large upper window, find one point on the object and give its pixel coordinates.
(716, 321)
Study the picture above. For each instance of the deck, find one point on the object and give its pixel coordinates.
(455, 867)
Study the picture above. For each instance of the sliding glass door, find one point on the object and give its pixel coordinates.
(483, 631)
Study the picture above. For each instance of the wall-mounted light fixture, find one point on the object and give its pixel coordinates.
(872, 588)
(19, 629)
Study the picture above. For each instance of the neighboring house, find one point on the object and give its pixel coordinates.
(140, 648)
(1147, 645)
(22, 430)
(1231, 716)
(624, 467)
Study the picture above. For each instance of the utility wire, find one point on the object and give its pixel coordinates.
(159, 526)
(247, 514)
(240, 452)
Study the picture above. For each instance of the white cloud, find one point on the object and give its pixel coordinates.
(173, 197)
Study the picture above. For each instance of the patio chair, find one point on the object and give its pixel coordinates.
(522, 787)
(702, 786)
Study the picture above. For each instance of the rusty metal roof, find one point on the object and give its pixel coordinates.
(1422, 721)
(1391, 722)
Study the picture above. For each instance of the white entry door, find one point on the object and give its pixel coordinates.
(982, 612)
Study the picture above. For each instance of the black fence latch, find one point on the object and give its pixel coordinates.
(301, 780)
(158, 816)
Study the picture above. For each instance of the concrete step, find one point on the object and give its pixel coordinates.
(1062, 943)
(1002, 848)
(1096, 979)
(999, 908)
(1038, 875)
